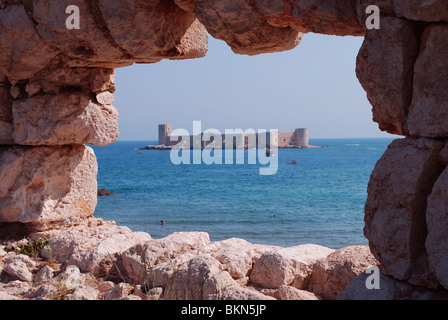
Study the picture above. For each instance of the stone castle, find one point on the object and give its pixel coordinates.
(296, 139)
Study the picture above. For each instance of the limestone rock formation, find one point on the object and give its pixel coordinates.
(333, 274)
(63, 119)
(390, 289)
(385, 67)
(429, 11)
(282, 267)
(428, 113)
(395, 210)
(437, 222)
(44, 186)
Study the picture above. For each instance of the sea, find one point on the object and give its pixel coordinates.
(320, 200)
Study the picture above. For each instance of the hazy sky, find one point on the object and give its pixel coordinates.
(312, 86)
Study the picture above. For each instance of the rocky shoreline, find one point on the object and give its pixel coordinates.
(98, 260)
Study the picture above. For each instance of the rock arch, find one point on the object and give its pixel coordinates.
(57, 84)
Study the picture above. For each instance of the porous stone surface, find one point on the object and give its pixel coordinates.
(437, 221)
(281, 267)
(428, 113)
(333, 274)
(428, 11)
(384, 67)
(43, 186)
(395, 210)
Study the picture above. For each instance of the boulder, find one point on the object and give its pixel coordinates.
(245, 294)
(17, 270)
(85, 236)
(429, 11)
(395, 210)
(333, 274)
(437, 222)
(69, 118)
(390, 289)
(139, 261)
(150, 30)
(121, 290)
(215, 287)
(102, 255)
(242, 27)
(385, 69)
(428, 113)
(286, 292)
(281, 267)
(46, 186)
(189, 280)
(22, 51)
(45, 274)
(83, 292)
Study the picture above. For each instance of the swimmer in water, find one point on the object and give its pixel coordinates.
(162, 222)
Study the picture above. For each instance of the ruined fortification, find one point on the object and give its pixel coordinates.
(240, 139)
(57, 85)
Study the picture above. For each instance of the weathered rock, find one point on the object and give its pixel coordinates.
(333, 274)
(390, 289)
(238, 293)
(22, 51)
(290, 293)
(138, 261)
(216, 286)
(395, 210)
(106, 286)
(17, 288)
(71, 118)
(58, 76)
(386, 9)
(384, 67)
(101, 257)
(83, 293)
(428, 113)
(47, 186)
(84, 237)
(243, 28)
(154, 293)
(437, 221)
(7, 296)
(44, 275)
(334, 17)
(5, 115)
(434, 10)
(280, 267)
(45, 291)
(236, 255)
(189, 280)
(119, 291)
(18, 270)
(129, 22)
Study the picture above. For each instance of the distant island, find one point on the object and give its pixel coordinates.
(297, 139)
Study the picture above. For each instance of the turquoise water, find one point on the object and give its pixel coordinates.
(320, 200)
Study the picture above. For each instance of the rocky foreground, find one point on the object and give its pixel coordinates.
(98, 260)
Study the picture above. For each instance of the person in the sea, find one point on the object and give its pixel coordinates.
(293, 162)
(162, 222)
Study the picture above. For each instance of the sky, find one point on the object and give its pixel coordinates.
(313, 86)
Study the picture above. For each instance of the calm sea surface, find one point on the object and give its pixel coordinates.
(320, 200)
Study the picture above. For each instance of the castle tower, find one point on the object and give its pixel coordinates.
(301, 138)
(165, 133)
